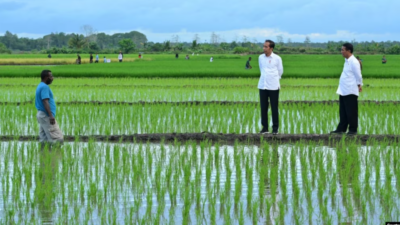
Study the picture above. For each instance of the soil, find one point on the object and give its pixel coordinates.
(222, 138)
(326, 102)
(182, 86)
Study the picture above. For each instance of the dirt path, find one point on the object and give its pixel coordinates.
(200, 102)
(223, 138)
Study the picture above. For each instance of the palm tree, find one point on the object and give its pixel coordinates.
(77, 41)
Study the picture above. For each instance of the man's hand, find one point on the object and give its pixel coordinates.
(52, 120)
(359, 88)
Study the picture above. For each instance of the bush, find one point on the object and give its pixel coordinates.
(3, 49)
(240, 50)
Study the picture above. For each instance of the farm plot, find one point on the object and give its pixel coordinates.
(209, 171)
(189, 182)
(175, 90)
(295, 118)
(296, 66)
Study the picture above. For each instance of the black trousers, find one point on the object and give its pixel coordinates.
(274, 98)
(348, 111)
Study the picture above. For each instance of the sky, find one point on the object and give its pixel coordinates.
(232, 20)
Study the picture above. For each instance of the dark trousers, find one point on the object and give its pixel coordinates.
(274, 98)
(348, 111)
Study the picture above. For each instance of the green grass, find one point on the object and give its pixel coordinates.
(295, 66)
(188, 89)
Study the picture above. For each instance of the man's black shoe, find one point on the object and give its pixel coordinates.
(337, 132)
(351, 133)
(274, 132)
(264, 131)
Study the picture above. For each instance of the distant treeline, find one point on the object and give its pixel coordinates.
(91, 42)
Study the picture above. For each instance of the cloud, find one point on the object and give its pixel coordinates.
(256, 18)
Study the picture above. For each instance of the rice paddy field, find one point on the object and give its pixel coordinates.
(295, 66)
(177, 179)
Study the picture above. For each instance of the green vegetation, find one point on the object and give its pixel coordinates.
(188, 89)
(295, 66)
(183, 183)
(196, 182)
(166, 118)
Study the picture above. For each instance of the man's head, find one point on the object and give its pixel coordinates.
(47, 77)
(268, 47)
(249, 58)
(347, 50)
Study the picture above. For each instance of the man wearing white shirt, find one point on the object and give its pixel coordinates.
(271, 72)
(350, 84)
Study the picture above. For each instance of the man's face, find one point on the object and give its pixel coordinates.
(49, 79)
(267, 49)
(345, 53)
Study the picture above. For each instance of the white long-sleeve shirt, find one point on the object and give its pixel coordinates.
(120, 56)
(271, 69)
(351, 77)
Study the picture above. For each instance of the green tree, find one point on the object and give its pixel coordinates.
(224, 46)
(3, 49)
(77, 41)
(167, 45)
(126, 45)
(395, 49)
(239, 50)
(93, 46)
(194, 44)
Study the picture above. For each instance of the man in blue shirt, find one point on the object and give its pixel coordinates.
(44, 101)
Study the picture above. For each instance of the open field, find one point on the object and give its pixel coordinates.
(190, 183)
(174, 90)
(295, 66)
(294, 118)
(186, 150)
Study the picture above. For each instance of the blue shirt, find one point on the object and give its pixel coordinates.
(42, 92)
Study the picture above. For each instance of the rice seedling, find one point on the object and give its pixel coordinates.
(124, 119)
(323, 66)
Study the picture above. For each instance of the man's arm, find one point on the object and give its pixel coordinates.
(47, 108)
(280, 68)
(356, 68)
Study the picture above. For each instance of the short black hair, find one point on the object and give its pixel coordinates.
(45, 73)
(348, 47)
(271, 43)
(249, 57)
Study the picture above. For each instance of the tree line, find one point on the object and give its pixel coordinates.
(134, 41)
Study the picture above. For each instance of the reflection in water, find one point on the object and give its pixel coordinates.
(103, 183)
(46, 180)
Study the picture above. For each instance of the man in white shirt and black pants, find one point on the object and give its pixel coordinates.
(350, 85)
(271, 72)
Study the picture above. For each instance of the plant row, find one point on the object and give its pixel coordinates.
(165, 118)
(186, 182)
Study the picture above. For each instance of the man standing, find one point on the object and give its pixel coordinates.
(350, 84)
(91, 58)
(120, 56)
(248, 66)
(271, 69)
(44, 101)
(97, 58)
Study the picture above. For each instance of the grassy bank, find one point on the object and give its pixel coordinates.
(295, 66)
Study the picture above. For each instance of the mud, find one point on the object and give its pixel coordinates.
(325, 102)
(221, 138)
(186, 86)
